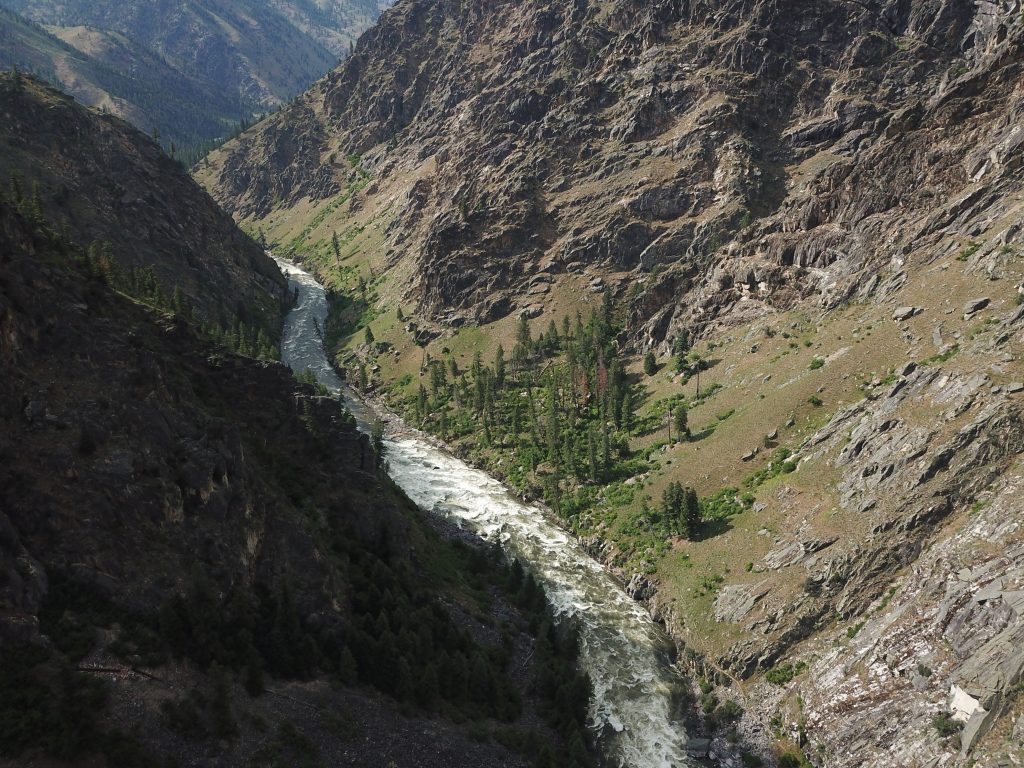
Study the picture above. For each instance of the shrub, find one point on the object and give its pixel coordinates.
(816, 363)
(784, 673)
(946, 726)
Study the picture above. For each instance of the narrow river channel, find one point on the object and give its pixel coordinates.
(625, 653)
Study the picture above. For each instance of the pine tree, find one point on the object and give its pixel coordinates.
(336, 246)
(627, 410)
(499, 367)
(680, 418)
(650, 364)
(368, 336)
(521, 352)
(178, 301)
(421, 403)
(17, 191)
(551, 339)
(680, 347)
(672, 501)
(553, 430)
(606, 451)
(377, 440)
(592, 454)
(35, 211)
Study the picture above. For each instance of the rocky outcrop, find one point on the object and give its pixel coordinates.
(100, 181)
(947, 644)
(899, 481)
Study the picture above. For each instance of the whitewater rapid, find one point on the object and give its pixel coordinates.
(626, 654)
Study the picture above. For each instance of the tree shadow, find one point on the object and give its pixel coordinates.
(704, 434)
(715, 527)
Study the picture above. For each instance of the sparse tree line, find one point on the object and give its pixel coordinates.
(561, 401)
(562, 404)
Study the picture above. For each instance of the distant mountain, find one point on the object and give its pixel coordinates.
(108, 71)
(191, 69)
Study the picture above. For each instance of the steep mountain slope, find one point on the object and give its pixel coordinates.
(108, 71)
(822, 211)
(561, 137)
(199, 558)
(106, 183)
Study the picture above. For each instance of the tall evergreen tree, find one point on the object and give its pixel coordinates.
(499, 367)
(650, 364)
(681, 419)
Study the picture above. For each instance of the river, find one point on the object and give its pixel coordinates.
(626, 654)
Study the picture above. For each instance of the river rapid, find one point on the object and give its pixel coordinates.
(626, 654)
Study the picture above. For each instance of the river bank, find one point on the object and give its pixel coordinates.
(628, 657)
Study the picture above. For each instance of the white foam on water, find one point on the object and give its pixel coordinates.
(622, 650)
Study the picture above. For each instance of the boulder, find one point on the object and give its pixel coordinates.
(975, 305)
(905, 313)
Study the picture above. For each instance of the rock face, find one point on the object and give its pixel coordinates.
(101, 181)
(728, 157)
(949, 641)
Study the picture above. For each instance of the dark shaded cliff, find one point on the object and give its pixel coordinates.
(200, 556)
(98, 180)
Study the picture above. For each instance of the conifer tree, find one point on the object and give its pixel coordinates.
(336, 246)
(691, 514)
(650, 364)
(499, 367)
(681, 418)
